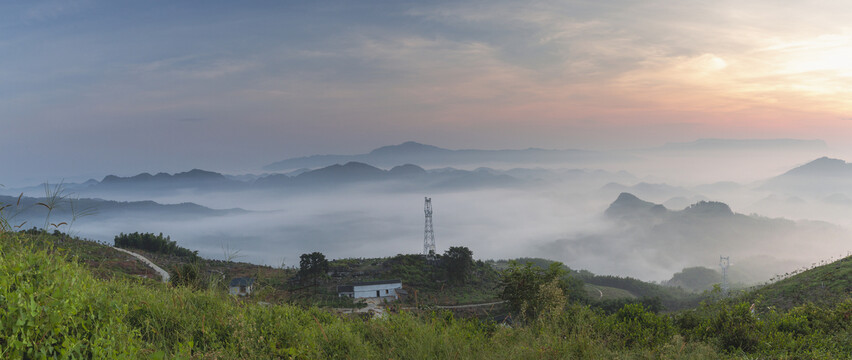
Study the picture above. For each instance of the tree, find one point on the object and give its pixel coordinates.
(459, 262)
(312, 266)
(523, 288)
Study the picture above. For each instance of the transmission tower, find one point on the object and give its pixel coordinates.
(724, 262)
(428, 233)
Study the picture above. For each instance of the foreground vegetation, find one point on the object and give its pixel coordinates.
(53, 306)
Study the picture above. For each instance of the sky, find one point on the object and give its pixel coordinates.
(90, 87)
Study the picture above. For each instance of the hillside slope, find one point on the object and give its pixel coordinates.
(823, 285)
(53, 307)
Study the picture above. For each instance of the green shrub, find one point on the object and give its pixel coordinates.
(633, 326)
(735, 327)
(54, 308)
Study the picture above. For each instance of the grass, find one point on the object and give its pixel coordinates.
(823, 285)
(102, 260)
(599, 292)
(52, 305)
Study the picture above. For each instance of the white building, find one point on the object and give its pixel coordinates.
(371, 289)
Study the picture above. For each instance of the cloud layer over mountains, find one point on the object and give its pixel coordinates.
(603, 219)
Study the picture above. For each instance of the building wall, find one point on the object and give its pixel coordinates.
(385, 290)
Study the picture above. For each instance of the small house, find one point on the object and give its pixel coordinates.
(371, 289)
(241, 286)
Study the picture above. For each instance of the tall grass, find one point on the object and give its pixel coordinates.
(52, 307)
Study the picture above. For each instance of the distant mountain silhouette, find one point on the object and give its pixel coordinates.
(642, 232)
(27, 211)
(400, 177)
(408, 147)
(407, 170)
(823, 166)
(349, 172)
(648, 190)
(709, 208)
(628, 204)
(194, 177)
(680, 202)
(416, 153)
(818, 178)
(404, 176)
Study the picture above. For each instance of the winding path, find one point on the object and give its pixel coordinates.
(163, 273)
(599, 290)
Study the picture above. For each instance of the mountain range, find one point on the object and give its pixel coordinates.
(428, 155)
(24, 211)
(400, 177)
(643, 233)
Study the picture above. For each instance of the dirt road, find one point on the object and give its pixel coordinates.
(163, 273)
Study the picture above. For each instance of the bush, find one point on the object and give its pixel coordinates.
(53, 308)
(734, 327)
(633, 326)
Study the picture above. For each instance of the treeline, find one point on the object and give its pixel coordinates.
(153, 243)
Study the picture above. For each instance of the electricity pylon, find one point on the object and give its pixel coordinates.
(428, 233)
(724, 262)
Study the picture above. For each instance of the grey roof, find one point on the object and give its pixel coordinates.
(351, 287)
(242, 281)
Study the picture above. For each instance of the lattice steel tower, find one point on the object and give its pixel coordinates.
(428, 233)
(724, 262)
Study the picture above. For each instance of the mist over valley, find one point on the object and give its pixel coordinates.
(581, 208)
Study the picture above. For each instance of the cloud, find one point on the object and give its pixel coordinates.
(52, 9)
(471, 73)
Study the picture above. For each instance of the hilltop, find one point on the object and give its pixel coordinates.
(821, 177)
